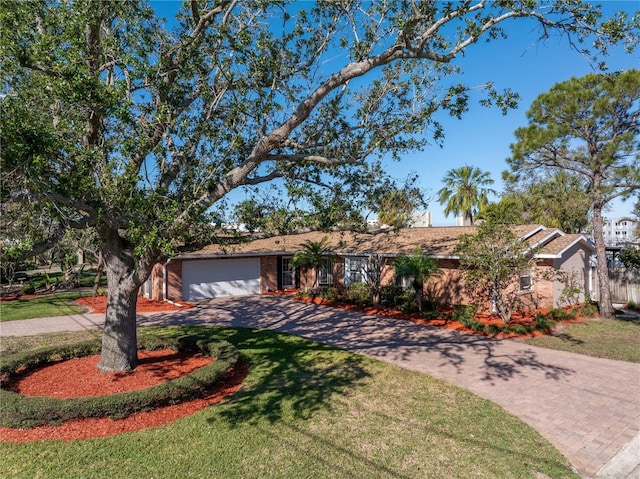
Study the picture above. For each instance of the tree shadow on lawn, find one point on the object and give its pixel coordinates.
(427, 349)
(290, 377)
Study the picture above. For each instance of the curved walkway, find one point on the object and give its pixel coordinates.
(589, 408)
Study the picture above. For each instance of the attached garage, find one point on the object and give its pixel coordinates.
(214, 278)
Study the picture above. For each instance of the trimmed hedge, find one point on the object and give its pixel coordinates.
(19, 411)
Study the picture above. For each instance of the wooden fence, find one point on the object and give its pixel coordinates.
(624, 285)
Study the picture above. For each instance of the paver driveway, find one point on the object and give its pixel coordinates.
(589, 408)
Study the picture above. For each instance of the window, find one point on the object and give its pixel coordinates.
(355, 270)
(325, 275)
(525, 282)
(288, 273)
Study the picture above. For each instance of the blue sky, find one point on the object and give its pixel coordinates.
(482, 137)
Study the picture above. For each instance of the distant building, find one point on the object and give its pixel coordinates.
(420, 219)
(620, 231)
(463, 221)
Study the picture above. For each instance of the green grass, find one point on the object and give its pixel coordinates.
(40, 307)
(602, 338)
(42, 279)
(307, 411)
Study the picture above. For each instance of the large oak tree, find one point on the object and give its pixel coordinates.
(588, 127)
(116, 120)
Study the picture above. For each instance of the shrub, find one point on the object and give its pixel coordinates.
(557, 314)
(589, 310)
(630, 305)
(392, 295)
(541, 323)
(518, 329)
(358, 293)
(28, 289)
(20, 411)
(493, 329)
(433, 314)
(477, 326)
(464, 313)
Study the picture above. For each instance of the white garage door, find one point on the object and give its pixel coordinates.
(203, 279)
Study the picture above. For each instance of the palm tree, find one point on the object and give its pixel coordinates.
(463, 192)
(312, 255)
(418, 266)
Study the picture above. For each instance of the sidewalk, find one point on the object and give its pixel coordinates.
(588, 408)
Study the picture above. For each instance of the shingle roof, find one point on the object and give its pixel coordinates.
(560, 243)
(438, 241)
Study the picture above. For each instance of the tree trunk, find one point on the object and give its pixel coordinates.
(119, 338)
(602, 271)
(418, 286)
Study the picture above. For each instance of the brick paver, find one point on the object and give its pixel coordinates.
(589, 408)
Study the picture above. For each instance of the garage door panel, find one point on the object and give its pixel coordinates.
(203, 279)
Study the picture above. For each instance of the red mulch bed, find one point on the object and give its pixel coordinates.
(517, 318)
(99, 304)
(80, 377)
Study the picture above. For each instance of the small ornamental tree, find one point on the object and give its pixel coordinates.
(492, 261)
(418, 266)
(312, 255)
(375, 266)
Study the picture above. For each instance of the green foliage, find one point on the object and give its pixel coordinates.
(562, 201)
(464, 192)
(28, 289)
(477, 326)
(313, 255)
(558, 314)
(465, 313)
(630, 257)
(21, 411)
(519, 329)
(589, 310)
(492, 261)
(358, 293)
(418, 266)
(493, 329)
(392, 295)
(541, 323)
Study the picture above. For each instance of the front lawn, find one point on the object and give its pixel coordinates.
(602, 338)
(40, 307)
(307, 410)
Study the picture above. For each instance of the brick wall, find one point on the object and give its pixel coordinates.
(268, 273)
(174, 280)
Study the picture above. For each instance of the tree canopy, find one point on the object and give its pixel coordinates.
(465, 192)
(561, 201)
(589, 129)
(138, 128)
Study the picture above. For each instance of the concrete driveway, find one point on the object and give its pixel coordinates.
(588, 408)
